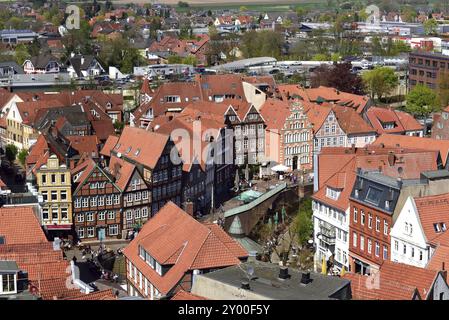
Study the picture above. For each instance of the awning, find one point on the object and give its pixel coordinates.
(59, 227)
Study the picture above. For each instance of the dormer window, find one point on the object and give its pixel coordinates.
(172, 99)
(439, 227)
(8, 277)
(332, 193)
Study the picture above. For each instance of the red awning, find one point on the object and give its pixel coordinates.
(59, 227)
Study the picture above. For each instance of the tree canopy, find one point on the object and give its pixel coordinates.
(422, 101)
(338, 76)
(380, 81)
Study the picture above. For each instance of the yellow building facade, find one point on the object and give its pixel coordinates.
(54, 185)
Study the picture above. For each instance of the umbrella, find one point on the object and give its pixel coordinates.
(324, 267)
(280, 168)
(342, 272)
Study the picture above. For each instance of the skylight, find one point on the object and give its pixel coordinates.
(373, 195)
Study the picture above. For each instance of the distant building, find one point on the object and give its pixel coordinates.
(17, 36)
(427, 68)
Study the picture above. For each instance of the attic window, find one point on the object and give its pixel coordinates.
(439, 227)
(332, 193)
(137, 152)
(117, 146)
(2, 240)
(128, 150)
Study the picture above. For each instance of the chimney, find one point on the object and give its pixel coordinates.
(305, 278)
(283, 273)
(188, 207)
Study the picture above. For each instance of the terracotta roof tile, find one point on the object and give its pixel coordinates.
(431, 210)
(396, 281)
(19, 225)
(150, 145)
(183, 295)
(415, 142)
(98, 295)
(163, 236)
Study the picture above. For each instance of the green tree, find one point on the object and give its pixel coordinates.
(301, 13)
(190, 60)
(303, 222)
(174, 59)
(118, 126)
(380, 81)
(422, 101)
(430, 26)
(11, 152)
(320, 57)
(21, 54)
(260, 44)
(22, 156)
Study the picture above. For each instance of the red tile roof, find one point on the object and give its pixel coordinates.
(432, 209)
(85, 144)
(396, 281)
(183, 295)
(403, 121)
(170, 230)
(403, 141)
(19, 225)
(103, 129)
(122, 171)
(150, 144)
(109, 145)
(98, 295)
(275, 112)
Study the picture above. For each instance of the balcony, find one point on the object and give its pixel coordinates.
(327, 234)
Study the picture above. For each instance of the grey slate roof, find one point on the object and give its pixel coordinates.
(265, 282)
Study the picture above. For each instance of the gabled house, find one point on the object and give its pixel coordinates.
(136, 193)
(44, 63)
(394, 122)
(289, 134)
(398, 281)
(171, 249)
(97, 202)
(156, 159)
(420, 229)
(84, 66)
